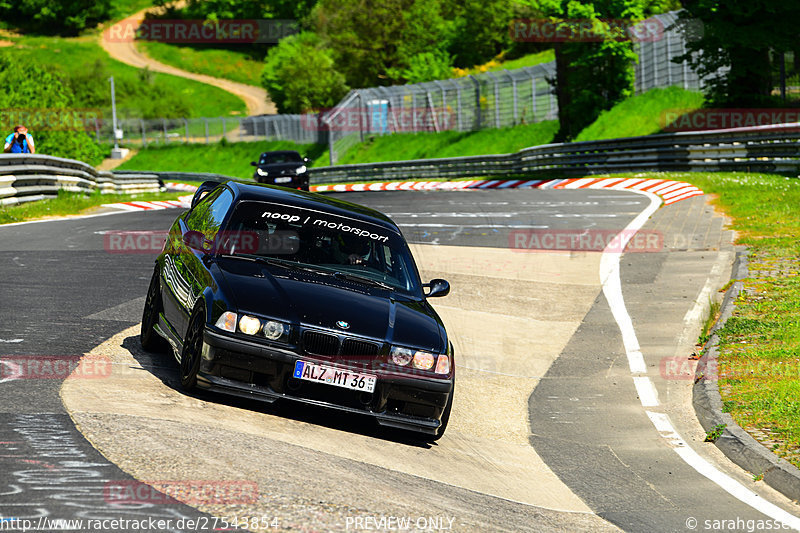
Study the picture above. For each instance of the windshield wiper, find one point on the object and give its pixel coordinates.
(362, 279)
(280, 262)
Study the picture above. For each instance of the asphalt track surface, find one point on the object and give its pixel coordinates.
(63, 295)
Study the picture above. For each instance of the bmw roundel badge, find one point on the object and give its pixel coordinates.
(341, 324)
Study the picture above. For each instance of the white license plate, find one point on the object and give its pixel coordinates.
(339, 377)
(283, 180)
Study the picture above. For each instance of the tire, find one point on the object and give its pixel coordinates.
(192, 349)
(445, 416)
(153, 306)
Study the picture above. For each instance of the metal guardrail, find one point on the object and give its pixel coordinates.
(30, 177)
(763, 148)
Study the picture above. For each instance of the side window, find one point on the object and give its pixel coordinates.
(208, 214)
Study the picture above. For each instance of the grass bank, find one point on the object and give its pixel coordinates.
(68, 203)
(642, 114)
(218, 62)
(231, 159)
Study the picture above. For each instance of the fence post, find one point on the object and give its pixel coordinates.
(496, 100)
(533, 95)
(164, 125)
(433, 114)
(144, 135)
(513, 90)
(360, 121)
(205, 120)
(224, 128)
(186, 130)
(478, 120)
(96, 130)
(458, 104)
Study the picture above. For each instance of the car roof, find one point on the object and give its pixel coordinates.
(281, 152)
(258, 192)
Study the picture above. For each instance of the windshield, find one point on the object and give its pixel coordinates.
(323, 240)
(280, 157)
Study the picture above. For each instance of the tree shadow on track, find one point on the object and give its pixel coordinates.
(165, 367)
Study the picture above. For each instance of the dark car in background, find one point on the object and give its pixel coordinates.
(273, 294)
(285, 168)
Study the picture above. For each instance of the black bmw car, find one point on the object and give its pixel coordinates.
(285, 168)
(273, 294)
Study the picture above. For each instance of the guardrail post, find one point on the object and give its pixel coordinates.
(478, 121)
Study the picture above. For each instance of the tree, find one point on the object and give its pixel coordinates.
(55, 18)
(481, 30)
(739, 36)
(300, 77)
(592, 76)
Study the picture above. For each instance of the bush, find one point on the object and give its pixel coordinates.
(299, 75)
(36, 89)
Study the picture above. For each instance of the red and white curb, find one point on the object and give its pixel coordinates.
(171, 186)
(669, 191)
(183, 201)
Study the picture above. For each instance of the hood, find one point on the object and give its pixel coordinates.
(320, 301)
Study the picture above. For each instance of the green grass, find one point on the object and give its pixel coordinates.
(404, 146)
(203, 59)
(230, 159)
(139, 94)
(641, 114)
(122, 8)
(496, 64)
(68, 203)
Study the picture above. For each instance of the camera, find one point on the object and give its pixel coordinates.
(21, 137)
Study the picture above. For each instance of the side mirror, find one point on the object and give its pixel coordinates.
(253, 163)
(438, 287)
(196, 241)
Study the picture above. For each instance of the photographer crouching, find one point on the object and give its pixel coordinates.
(19, 142)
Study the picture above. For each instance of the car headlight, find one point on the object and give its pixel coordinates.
(301, 169)
(227, 321)
(274, 330)
(401, 356)
(261, 172)
(424, 360)
(249, 324)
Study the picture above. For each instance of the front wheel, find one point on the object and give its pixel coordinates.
(192, 350)
(153, 307)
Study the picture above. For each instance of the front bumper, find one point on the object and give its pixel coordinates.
(257, 371)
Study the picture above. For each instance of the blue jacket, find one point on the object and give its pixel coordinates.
(16, 148)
